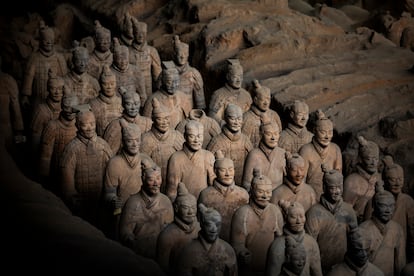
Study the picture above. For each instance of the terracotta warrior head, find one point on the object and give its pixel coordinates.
(68, 103)
(185, 205)
(210, 223)
(357, 247)
(323, 129)
(46, 37)
(393, 175)
(121, 55)
(108, 82)
(384, 204)
(151, 178)
(102, 37)
(131, 137)
(295, 256)
(160, 116)
(224, 169)
(294, 215)
(80, 58)
(368, 153)
(86, 124)
(55, 86)
(299, 113)
(270, 132)
(234, 74)
(333, 183)
(181, 51)
(295, 168)
(140, 30)
(170, 77)
(233, 116)
(261, 189)
(194, 135)
(131, 102)
(262, 97)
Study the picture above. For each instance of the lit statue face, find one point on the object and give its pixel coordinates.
(262, 101)
(131, 145)
(261, 194)
(121, 60)
(140, 36)
(131, 103)
(108, 85)
(394, 180)
(211, 227)
(300, 115)
(324, 133)
(194, 135)
(103, 42)
(233, 118)
(186, 210)
(55, 91)
(86, 125)
(225, 172)
(80, 62)
(270, 135)
(181, 56)
(384, 209)
(235, 78)
(152, 182)
(296, 172)
(333, 191)
(296, 219)
(162, 123)
(370, 162)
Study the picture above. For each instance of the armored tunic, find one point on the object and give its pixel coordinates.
(234, 146)
(106, 110)
(56, 135)
(293, 138)
(142, 219)
(359, 188)
(327, 223)
(97, 61)
(83, 166)
(192, 85)
(160, 146)
(404, 215)
(387, 247)
(173, 103)
(225, 95)
(271, 162)
(226, 200)
(255, 229)
(172, 240)
(37, 73)
(194, 169)
(252, 119)
(303, 193)
(84, 86)
(147, 59)
(113, 132)
(315, 156)
(132, 79)
(276, 254)
(199, 258)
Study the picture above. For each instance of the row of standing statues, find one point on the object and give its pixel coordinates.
(130, 145)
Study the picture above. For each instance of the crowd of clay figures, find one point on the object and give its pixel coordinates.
(130, 145)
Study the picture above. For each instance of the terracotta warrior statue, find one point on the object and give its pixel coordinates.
(161, 141)
(34, 86)
(46, 111)
(169, 95)
(123, 175)
(387, 248)
(211, 127)
(191, 81)
(224, 195)
(267, 156)
(208, 254)
(359, 187)
(231, 92)
(130, 103)
(180, 232)
(252, 119)
(231, 141)
(191, 165)
(128, 76)
(126, 30)
(101, 54)
(11, 116)
(295, 258)
(356, 261)
(329, 220)
(294, 187)
(295, 135)
(78, 80)
(83, 165)
(404, 204)
(146, 214)
(255, 225)
(321, 151)
(146, 57)
(107, 106)
(293, 234)
(56, 135)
